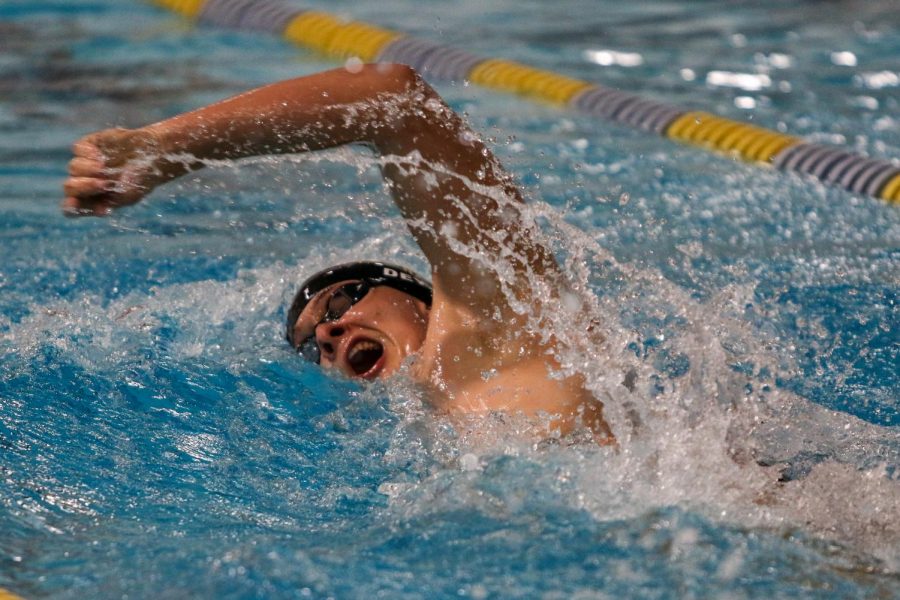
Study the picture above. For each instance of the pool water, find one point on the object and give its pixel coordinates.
(158, 438)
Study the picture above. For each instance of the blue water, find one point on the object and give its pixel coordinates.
(158, 439)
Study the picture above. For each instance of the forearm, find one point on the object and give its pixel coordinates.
(386, 106)
(299, 115)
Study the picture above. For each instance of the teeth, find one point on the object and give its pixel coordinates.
(361, 347)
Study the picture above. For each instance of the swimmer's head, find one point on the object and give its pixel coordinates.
(360, 318)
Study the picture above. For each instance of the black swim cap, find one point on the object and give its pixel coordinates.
(376, 273)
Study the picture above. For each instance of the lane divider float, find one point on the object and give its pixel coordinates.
(336, 37)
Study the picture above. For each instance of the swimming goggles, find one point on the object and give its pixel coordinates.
(339, 302)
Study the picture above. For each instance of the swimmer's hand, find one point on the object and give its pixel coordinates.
(114, 168)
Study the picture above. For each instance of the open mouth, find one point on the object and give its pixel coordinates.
(364, 357)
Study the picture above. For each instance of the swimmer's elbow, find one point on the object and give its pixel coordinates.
(399, 70)
(398, 78)
(418, 107)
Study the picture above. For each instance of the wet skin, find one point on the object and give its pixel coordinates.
(474, 348)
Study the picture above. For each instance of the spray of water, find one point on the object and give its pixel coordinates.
(700, 420)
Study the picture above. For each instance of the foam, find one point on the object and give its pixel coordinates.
(691, 440)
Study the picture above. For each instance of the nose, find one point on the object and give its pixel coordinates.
(328, 335)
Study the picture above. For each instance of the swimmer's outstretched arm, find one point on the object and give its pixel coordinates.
(117, 167)
(457, 199)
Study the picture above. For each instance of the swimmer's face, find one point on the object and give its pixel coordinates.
(371, 338)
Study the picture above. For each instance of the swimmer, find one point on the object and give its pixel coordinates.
(461, 336)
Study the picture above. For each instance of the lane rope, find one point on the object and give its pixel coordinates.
(336, 37)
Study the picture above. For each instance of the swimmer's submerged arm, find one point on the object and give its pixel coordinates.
(461, 206)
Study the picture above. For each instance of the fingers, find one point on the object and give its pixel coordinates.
(99, 179)
(86, 183)
(86, 187)
(89, 196)
(80, 207)
(85, 167)
(97, 196)
(86, 147)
